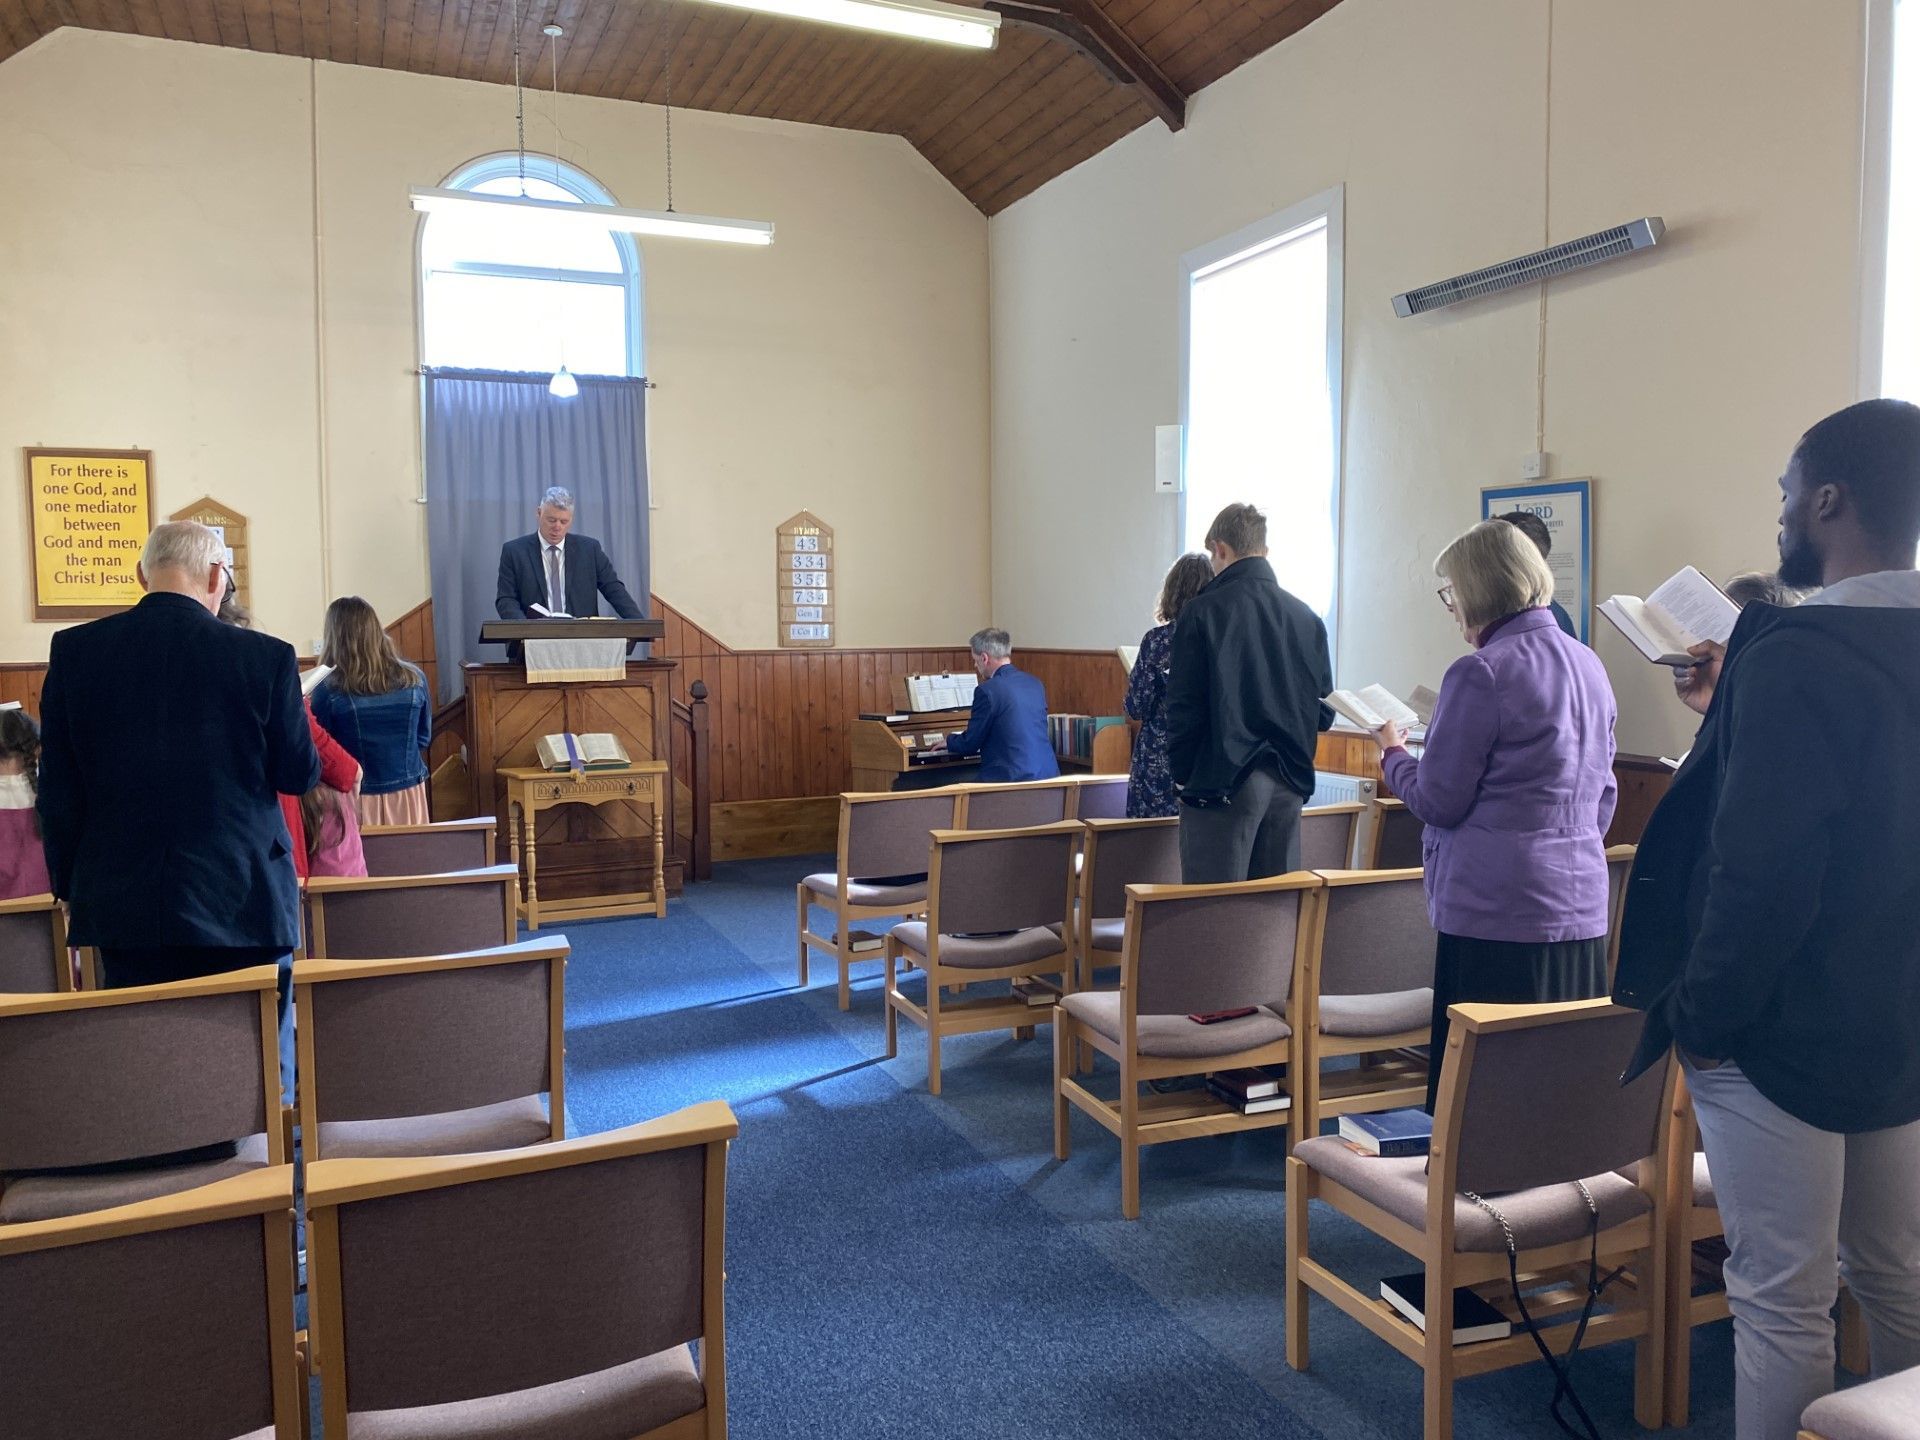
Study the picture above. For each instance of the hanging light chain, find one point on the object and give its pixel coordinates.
(669, 109)
(519, 100)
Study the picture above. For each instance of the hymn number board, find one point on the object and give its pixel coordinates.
(803, 581)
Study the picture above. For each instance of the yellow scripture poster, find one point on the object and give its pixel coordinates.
(89, 513)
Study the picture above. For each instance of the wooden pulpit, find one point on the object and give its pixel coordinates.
(584, 851)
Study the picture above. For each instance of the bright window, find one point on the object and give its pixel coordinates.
(505, 292)
(1900, 339)
(1261, 394)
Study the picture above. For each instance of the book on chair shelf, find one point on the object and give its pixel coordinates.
(1473, 1318)
(1265, 1105)
(1251, 1082)
(581, 752)
(862, 942)
(1036, 991)
(1683, 612)
(1389, 1133)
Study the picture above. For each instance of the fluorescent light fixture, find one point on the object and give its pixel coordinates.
(563, 386)
(433, 200)
(916, 19)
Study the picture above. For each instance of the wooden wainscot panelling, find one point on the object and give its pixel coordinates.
(752, 829)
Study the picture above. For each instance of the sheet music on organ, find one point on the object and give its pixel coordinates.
(1683, 612)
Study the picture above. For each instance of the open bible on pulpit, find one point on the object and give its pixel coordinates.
(581, 752)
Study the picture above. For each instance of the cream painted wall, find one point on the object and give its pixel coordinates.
(158, 282)
(1678, 380)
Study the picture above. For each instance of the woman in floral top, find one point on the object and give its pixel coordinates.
(1149, 785)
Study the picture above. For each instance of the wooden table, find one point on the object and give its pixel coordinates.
(531, 790)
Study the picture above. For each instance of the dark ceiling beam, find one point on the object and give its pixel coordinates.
(1085, 26)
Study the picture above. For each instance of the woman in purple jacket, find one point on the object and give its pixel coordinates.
(1516, 790)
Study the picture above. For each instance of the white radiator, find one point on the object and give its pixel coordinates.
(1343, 789)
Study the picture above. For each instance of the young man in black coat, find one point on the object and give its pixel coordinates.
(1772, 924)
(1250, 665)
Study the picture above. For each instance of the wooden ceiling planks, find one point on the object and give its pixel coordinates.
(998, 124)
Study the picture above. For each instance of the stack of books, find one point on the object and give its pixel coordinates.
(1256, 1090)
(1473, 1318)
(1390, 1133)
(1036, 991)
(1072, 735)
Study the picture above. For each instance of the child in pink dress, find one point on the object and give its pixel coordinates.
(23, 863)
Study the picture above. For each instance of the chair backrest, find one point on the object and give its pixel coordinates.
(887, 834)
(599, 1252)
(428, 849)
(1326, 835)
(984, 881)
(170, 1320)
(1100, 797)
(1375, 937)
(1127, 852)
(1014, 806)
(1619, 866)
(1194, 949)
(1533, 1096)
(1396, 836)
(387, 1038)
(106, 1075)
(33, 947)
(391, 916)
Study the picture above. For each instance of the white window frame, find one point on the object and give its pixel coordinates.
(1876, 193)
(576, 182)
(1329, 205)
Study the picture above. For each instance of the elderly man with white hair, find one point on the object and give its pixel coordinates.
(556, 572)
(167, 739)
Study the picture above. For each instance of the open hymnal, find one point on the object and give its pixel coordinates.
(1129, 656)
(310, 680)
(1686, 610)
(1375, 706)
(545, 614)
(581, 752)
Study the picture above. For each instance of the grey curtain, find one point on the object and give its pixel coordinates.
(494, 443)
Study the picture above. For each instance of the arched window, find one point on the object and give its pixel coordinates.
(510, 292)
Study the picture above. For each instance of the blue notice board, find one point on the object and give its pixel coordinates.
(1567, 508)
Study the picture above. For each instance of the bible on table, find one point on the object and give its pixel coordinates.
(581, 752)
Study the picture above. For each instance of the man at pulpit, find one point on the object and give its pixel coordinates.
(564, 574)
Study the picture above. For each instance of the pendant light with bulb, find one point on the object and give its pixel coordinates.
(563, 386)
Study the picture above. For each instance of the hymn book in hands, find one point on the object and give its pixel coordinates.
(581, 752)
(310, 680)
(1376, 705)
(1685, 611)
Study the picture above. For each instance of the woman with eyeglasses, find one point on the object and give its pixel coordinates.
(1516, 788)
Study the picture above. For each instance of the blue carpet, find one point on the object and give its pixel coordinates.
(905, 1265)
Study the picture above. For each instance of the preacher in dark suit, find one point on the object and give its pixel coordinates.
(1008, 728)
(565, 573)
(166, 738)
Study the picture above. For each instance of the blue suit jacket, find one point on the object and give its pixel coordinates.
(1008, 730)
(167, 739)
(589, 574)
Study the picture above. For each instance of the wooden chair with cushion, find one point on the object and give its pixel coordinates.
(387, 917)
(1328, 834)
(170, 1319)
(1530, 1102)
(1117, 853)
(33, 947)
(1396, 837)
(1366, 990)
(428, 849)
(1015, 805)
(1884, 1409)
(999, 907)
(102, 1077)
(601, 1260)
(1100, 797)
(1189, 949)
(880, 869)
(433, 1056)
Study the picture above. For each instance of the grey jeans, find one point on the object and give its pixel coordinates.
(1254, 835)
(1796, 1200)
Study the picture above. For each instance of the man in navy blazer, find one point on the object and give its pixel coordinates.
(1008, 728)
(564, 573)
(166, 741)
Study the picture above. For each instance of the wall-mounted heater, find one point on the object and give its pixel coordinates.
(1642, 234)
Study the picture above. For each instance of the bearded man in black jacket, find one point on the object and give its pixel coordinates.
(1772, 925)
